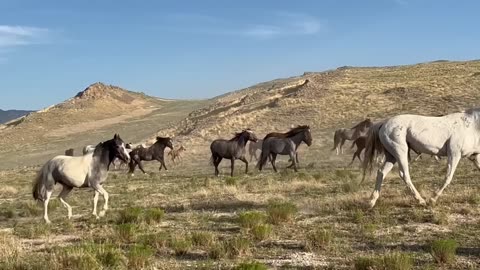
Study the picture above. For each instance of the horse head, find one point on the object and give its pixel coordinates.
(118, 148)
(308, 135)
(250, 135)
(167, 141)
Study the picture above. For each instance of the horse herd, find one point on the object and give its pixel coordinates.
(454, 135)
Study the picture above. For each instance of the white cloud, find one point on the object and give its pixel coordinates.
(401, 2)
(12, 36)
(280, 24)
(286, 24)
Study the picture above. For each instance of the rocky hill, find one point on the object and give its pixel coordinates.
(89, 117)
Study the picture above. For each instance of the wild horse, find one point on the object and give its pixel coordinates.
(231, 149)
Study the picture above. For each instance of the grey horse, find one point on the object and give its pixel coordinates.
(284, 144)
(231, 149)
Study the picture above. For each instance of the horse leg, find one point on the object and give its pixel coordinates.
(402, 158)
(453, 159)
(45, 206)
(100, 190)
(216, 162)
(381, 174)
(140, 165)
(162, 161)
(246, 164)
(232, 166)
(63, 194)
(341, 145)
(132, 165)
(273, 158)
(294, 162)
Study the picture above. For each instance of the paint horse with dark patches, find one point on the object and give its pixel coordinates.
(90, 170)
(284, 144)
(154, 152)
(231, 149)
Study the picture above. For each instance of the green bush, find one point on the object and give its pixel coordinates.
(279, 211)
(443, 251)
(250, 219)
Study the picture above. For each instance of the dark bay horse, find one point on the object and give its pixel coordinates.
(231, 149)
(284, 144)
(90, 170)
(154, 152)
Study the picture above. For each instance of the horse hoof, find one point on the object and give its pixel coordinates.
(132, 175)
(422, 202)
(47, 221)
(432, 201)
(102, 213)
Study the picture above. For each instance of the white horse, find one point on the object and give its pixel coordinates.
(89, 170)
(454, 135)
(88, 149)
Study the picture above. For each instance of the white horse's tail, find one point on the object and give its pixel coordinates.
(373, 148)
(39, 189)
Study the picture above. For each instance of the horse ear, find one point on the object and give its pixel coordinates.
(115, 136)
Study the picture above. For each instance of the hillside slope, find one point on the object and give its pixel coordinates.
(91, 116)
(337, 98)
(323, 100)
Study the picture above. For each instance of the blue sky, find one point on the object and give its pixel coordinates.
(51, 49)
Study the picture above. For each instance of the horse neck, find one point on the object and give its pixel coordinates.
(101, 162)
(159, 146)
(298, 138)
(241, 142)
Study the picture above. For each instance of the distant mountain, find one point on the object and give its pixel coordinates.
(6, 116)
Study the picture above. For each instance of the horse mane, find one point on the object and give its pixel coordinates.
(364, 123)
(292, 132)
(163, 139)
(236, 137)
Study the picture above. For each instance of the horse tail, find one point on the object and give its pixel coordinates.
(336, 139)
(39, 189)
(264, 156)
(373, 148)
(211, 160)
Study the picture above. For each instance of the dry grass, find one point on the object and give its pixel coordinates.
(181, 226)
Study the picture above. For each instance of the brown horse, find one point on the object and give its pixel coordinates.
(154, 152)
(175, 154)
(351, 134)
